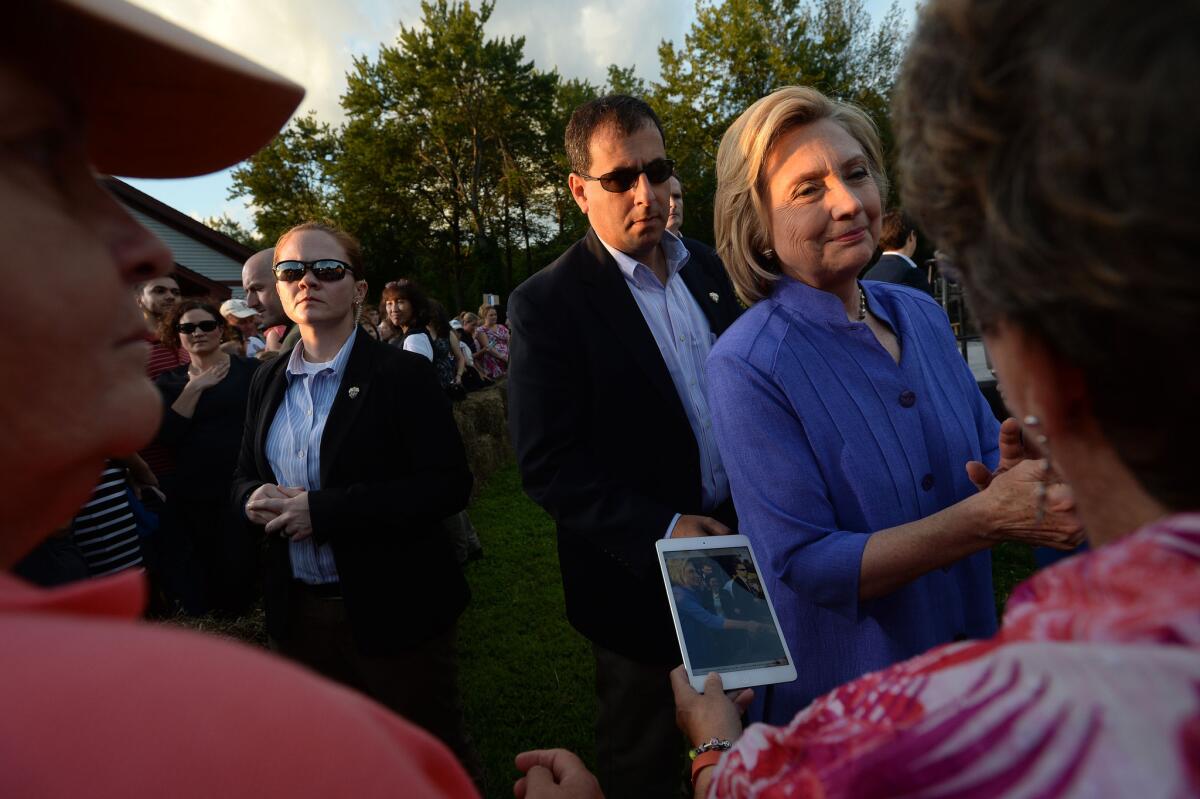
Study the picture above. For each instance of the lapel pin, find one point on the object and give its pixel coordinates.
(712, 295)
(353, 392)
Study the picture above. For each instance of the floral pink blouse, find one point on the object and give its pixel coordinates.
(1091, 688)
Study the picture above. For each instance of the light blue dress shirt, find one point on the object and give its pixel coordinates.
(684, 339)
(294, 446)
(828, 440)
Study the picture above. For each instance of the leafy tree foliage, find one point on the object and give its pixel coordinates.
(450, 165)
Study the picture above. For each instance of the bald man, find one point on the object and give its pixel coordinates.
(259, 283)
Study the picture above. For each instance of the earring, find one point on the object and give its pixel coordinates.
(358, 312)
(769, 254)
(1043, 445)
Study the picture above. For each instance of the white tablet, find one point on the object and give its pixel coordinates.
(723, 616)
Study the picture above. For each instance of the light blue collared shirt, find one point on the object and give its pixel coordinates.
(294, 446)
(684, 339)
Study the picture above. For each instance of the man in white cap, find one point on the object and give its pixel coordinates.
(94, 703)
(244, 320)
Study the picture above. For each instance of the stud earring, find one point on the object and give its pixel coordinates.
(769, 254)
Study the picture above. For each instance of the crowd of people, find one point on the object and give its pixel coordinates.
(785, 385)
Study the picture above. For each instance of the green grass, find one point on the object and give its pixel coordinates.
(527, 678)
(1011, 563)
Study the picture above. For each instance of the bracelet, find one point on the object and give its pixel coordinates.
(711, 745)
(703, 761)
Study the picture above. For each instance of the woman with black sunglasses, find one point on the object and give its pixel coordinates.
(207, 564)
(350, 459)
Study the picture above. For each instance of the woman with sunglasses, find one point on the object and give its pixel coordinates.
(209, 564)
(350, 459)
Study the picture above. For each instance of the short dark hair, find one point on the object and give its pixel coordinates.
(169, 336)
(628, 114)
(1050, 149)
(897, 227)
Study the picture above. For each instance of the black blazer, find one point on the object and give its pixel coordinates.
(392, 466)
(602, 439)
(894, 269)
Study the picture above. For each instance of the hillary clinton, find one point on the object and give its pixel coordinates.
(846, 417)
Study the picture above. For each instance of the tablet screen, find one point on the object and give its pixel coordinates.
(724, 618)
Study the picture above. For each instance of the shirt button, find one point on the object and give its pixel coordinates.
(907, 399)
(300, 453)
(927, 482)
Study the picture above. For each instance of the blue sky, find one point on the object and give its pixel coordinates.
(314, 41)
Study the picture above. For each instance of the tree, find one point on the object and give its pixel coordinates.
(456, 114)
(287, 180)
(738, 51)
(235, 230)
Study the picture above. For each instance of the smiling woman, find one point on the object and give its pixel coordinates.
(209, 562)
(856, 392)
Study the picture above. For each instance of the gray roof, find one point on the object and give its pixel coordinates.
(195, 255)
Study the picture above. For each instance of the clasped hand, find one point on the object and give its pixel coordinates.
(281, 510)
(1013, 488)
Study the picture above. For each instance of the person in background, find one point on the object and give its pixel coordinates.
(611, 427)
(349, 460)
(279, 334)
(210, 561)
(448, 359)
(244, 320)
(898, 238)
(472, 380)
(675, 206)
(97, 87)
(491, 340)
(407, 312)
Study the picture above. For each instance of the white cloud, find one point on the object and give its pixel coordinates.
(310, 41)
(313, 42)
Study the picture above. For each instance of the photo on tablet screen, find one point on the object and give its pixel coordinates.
(724, 618)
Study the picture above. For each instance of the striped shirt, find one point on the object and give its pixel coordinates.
(161, 359)
(104, 528)
(684, 339)
(294, 446)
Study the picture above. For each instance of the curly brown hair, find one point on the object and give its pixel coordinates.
(1051, 149)
(167, 333)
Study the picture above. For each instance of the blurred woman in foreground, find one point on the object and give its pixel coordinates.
(1046, 150)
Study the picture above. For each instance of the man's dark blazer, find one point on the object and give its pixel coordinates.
(892, 268)
(602, 439)
(392, 466)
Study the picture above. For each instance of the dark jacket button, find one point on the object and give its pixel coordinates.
(907, 399)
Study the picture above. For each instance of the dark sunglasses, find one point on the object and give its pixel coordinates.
(188, 328)
(326, 270)
(619, 180)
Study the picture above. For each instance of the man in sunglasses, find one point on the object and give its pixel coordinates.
(611, 426)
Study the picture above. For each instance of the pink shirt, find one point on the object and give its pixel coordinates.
(97, 704)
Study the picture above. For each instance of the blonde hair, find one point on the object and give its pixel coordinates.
(740, 218)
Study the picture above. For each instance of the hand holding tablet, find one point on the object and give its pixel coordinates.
(723, 616)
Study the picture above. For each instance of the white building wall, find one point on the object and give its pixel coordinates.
(194, 255)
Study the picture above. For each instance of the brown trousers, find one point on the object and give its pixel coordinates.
(639, 750)
(419, 684)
